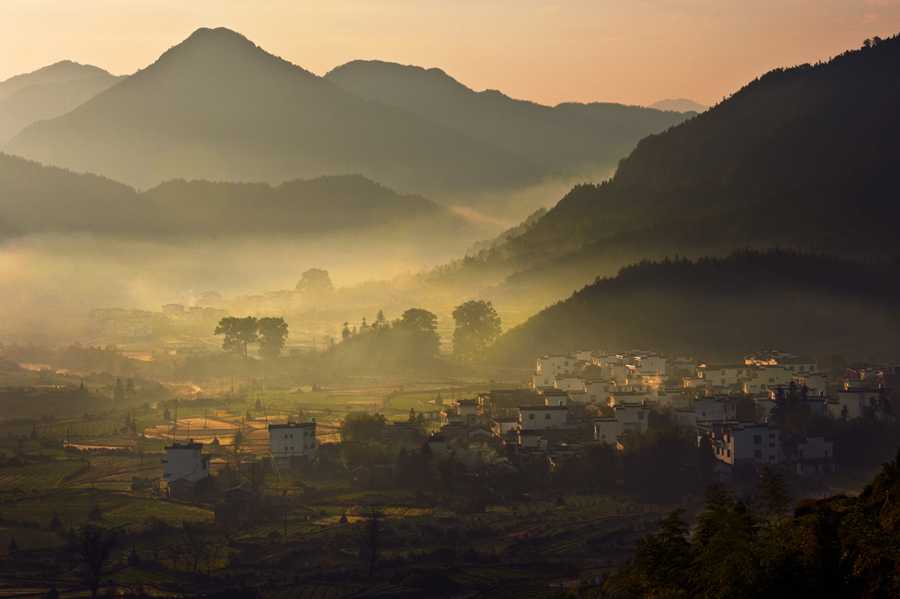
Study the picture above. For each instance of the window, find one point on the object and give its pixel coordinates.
(771, 435)
(546, 416)
(531, 416)
(757, 438)
(640, 415)
(771, 445)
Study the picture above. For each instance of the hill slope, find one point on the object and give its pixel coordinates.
(723, 307)
(59, 72)
(803, 158)
(39, 199)
(48, 93)
(217, 107)
(577, 138)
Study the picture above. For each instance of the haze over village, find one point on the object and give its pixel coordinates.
(412, 301)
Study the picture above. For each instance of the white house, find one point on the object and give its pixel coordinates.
(765, 377)
(554, 365)
(855, 399)
(438, 444)
(722, 375)
(809, 456)
(185, 462)
(617, 397)
(568, 382)
(816, 383)
(629, 416)
(720, 407)
(598, 391)
(736, 442)
(542, 417)
(556, 397)
(293, 440)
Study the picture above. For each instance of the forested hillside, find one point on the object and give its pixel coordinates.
(723, 307)
(41, 199)
(804, 158)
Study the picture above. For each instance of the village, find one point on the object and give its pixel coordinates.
(534, 483)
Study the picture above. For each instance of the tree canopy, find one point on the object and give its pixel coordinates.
(477, 327)
(240, 333)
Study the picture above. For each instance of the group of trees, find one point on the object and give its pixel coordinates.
(240, 333)
(413, 337)
(751, 546)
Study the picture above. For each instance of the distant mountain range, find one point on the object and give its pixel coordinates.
(679, 105)
(48, 93)
(217, 107)
(41, 199)
(583, 138)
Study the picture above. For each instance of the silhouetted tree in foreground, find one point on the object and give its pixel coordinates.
(94, 544)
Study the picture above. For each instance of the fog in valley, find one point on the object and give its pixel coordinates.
(495, 301)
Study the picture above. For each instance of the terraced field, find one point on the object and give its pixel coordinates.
(37, 476)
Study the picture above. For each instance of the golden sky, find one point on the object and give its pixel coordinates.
(629, 51)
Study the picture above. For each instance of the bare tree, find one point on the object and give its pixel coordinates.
(371, 533)
(156, 528)
(94, 544)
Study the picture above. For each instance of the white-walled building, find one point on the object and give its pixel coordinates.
(736, 442)
(710, 409)
(765, 377)
(568, 382)
(598, 392)
(293, 440)
(723, 375)
(185, 462)
(556, 397)
(629, 416)
(809, 456)
(554, 365)
(855, 399)
(816, 383)
(542, 417)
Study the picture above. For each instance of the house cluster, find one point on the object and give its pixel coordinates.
(292, 446)
(118, 322)
(600, 397)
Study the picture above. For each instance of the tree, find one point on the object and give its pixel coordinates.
(119, 391)
(380, 320)
(345, 332)
(272, 332)
(315, 286)
(239, 333)
(361, 427)
(94, 545)
(421, 327)
(370, 536)
(477, 327)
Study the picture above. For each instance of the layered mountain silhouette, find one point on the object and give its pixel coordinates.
(41, 199)
(48, 93)
(679, 105)
(218, 107)
(804, 158)
(579, 138)
(723, 308)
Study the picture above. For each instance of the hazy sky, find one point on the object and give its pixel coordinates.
(631, 51)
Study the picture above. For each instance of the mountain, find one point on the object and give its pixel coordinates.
(218, 107)
(580, 139)
(43, 101)
(719, 308)
(57, 73)
(803, 158)
(41, 199)
(679, 105)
